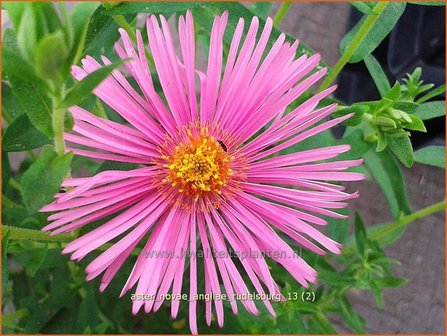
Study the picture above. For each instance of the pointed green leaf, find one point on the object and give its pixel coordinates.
(431, 155)
(432, 94)
(382, 27)
(406, 106)
(428, 3)
(377, 74)
(21, 136)
(10, 105)
(363, 7)
(50, 56)
(360, 235)
(388, 175)
(15, 11)
(377, 294)
(431, 110)
(113, 165)
(27, 33)
(82, 89)
(416, 124)
(391, 282)
(349, 315)
(43, 178)
(165, 8)
(261, 9)
(102, 33)
(402, 149)
(79, 18)
(394, 93)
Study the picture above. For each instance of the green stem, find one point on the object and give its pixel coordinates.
(388, 228)
(16, 185)
(16, 233)
(58, 129)
(404, 220)
(282, 11)
(356, 42)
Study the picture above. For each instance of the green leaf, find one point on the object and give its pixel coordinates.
(394, 93)
(10, 105)
(27, 32)
(356, 119)
(88, 310)
(402, 149)
(82, 89)
(377, 74)
(388, 175)
(50, 56)
(377, 294)
(431, 110)
(113, 165)
(432, 94)
(102, 33)
(35, 103)
(391, 282)
(21, 135)
(358, 145)
(382, 27)
(35, 261)
(29, 91)
(15, 66)
(349, 315)
(79, 18)
(47, 17)
(165, 8)
(363, 7)
(431, 155)
(360, 235)
(261, 9)
(15, 11)
(338, 228)
(42, 180)
(406, 106)
(205, 14)
(416, 124)
(5, 268)
(322, 324)
(428, 3)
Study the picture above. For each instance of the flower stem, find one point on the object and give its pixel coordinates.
(16, 233)
(282, 11)
(404, 220)
(356, 41)
(389, 228)
(16, 185)
(58, 129)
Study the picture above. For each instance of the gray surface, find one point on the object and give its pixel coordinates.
(418, 307)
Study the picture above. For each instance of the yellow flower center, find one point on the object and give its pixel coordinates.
(200, 165)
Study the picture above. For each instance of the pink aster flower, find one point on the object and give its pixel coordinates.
(208, 180)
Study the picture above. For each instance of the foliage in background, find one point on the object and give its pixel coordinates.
(43, 292)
